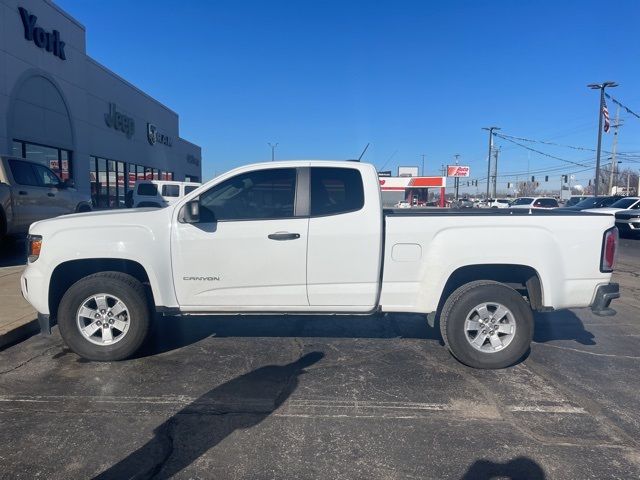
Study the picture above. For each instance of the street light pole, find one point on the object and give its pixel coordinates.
(423, 164)
(273, 150)
(490, 130)
(601, 87)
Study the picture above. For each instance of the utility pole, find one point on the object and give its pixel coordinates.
(456, 180)
(495, 173)
(614, 163)
(628, 181)
(423, 164)
(273, 150)
(601, 87)
(490, 130)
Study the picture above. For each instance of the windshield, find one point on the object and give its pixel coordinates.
(522, 201)
(624, 203)
(589, 202)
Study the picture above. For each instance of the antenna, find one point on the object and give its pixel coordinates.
(362, 154)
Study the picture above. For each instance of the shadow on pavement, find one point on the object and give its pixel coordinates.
(171, 333)
(561, 325)
(237, 404)
(521, 468)
(13, 252)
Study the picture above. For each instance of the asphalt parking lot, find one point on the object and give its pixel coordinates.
(330, 397)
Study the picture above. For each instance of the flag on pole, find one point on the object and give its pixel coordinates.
(605, 114)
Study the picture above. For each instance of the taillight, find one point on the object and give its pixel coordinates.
(34, 245)
(609, 250)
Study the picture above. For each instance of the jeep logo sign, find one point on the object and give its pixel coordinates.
(50, 41)
(119, 121)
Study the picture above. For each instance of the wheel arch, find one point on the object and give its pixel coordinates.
(522, 278)
(69, 272)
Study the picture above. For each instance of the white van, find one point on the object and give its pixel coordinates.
(158, 193)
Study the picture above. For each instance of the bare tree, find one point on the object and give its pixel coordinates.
(620, 179)
(526, 189)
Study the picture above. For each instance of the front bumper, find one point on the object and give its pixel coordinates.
(602, 300)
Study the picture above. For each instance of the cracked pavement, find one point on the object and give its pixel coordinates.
(330, 397)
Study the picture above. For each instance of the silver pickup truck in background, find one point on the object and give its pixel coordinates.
(30, 192)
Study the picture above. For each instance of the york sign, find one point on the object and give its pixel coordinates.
(49, 41)
(119, 121)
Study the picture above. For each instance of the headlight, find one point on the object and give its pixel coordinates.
(34, 245)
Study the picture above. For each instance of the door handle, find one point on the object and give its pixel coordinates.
(22, 192)
(51, 194)
(284, 236)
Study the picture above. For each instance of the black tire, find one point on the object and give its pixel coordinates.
(122, 286)
(462, 301)
(83, 208)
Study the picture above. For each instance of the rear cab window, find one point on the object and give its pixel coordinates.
(148, 189)
(23, 173)
(170, 190)
(335, 191)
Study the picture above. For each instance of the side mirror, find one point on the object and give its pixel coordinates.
(191, 212)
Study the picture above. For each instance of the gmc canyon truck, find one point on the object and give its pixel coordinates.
(311, 237)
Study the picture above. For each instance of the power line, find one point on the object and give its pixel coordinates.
(620, 104)
(538, 151)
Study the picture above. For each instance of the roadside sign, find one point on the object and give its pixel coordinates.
(458, 170)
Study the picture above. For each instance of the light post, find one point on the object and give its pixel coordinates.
(490, 130)
(601, 87)
(273, 150)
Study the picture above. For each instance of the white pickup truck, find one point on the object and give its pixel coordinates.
(311, 237)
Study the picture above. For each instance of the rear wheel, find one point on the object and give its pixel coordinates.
(104, 316)
(487, 324)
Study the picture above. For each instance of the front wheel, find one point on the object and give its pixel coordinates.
(104, 316)
(487, 324)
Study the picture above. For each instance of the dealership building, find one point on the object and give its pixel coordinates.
(61, 108)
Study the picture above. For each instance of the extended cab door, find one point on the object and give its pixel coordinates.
(249, 249)
(57, 199)
(345, 238)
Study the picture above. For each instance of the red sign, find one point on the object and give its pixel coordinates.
(458, 170)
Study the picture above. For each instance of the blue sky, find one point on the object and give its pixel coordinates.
(324, 78)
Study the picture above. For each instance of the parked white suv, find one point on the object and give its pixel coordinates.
(498, 202)
(625, 203)
(158, 193)
(534, 202)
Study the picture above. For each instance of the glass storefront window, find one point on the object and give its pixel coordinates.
(57, 159)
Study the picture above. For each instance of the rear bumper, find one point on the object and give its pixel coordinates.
(602, 300)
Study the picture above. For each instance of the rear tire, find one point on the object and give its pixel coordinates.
(104, 316)
(486, 324)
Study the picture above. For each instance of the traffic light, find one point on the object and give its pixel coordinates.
(564, 178)
(509, 185)
(533, 179)
(546, 178)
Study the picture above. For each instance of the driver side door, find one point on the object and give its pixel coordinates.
(248, 251)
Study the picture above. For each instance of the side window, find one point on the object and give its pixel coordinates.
(170, 190)
(147, 189)
(258, 195)
(23, 173)
(335, 190)
(189, 188)
(46, 178)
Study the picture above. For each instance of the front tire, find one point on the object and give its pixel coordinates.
(487, 325)
(104, 316)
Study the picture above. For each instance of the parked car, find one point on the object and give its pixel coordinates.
(158, 193)
(30, 192)
(593, 202)
(628, 222)
(403, 204)
(499, 202)
(534, 202)
(463, 203)
(625, 203)
(574, 199)
(312, 237)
